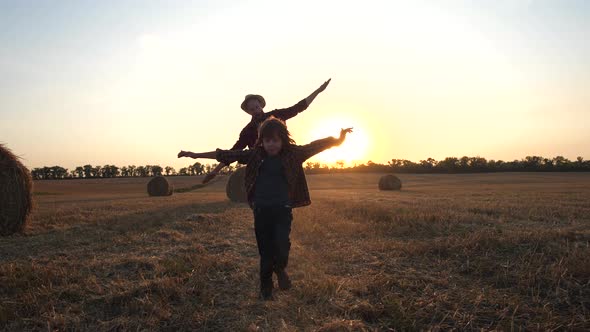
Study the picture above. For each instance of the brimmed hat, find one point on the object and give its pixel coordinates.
(248, 97)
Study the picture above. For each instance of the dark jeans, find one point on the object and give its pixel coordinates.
(272, 226)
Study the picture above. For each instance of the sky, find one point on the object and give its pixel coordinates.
(134, 82)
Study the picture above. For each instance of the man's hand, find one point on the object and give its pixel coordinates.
(213, 173)
(314, 94)
(182, 154)
(343, 133)
(210, 176)
(324, 86)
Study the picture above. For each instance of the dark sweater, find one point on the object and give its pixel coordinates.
(271, 188)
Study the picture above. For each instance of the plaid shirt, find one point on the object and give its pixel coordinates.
(292, 159)
(249, 134)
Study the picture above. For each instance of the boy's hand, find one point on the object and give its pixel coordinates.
(182, 154)
(343, 133)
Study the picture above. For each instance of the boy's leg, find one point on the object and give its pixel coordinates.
(263, 231)
(282, 245)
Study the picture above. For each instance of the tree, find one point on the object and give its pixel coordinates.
(560, 161)
(141, 171)
(156, 170)
(46, 172)
(478, 164)
(79, 171)
(37, 173)
(124, 171)
(105, 171)
(114, 171)
(532, 163)
(228, 169)
(428, 164)
(57, 172)
(198, 168)
(96, 171)
(88, 171)
(449, 164)
(395, 163)
(464, 162)
(581, 164)
(132, 170)
(148, 170)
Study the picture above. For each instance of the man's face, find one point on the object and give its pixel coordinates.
(272, 145)
(253, 107)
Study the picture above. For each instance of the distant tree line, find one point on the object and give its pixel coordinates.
(111, 171)
(459, 165)
(430, 165)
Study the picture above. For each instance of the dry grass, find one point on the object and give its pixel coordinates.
(466, 252)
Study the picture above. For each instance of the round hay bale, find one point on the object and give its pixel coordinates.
(159, 186)
(236, 188)
(16, 188)
(390, 182)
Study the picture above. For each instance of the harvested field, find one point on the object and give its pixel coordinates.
(470, 252)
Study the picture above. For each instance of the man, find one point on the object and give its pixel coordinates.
(254, 105)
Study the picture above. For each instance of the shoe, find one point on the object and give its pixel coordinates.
(266, 291)
(284, 281)
(266, 294)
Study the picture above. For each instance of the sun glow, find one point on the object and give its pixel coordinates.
(353, 150)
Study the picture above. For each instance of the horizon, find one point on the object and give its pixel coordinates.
(335, 165)
(132, 83)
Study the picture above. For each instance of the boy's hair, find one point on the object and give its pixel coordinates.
(272, 127)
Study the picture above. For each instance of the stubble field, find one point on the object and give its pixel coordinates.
(468, 252)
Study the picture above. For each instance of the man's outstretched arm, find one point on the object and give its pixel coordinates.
(287, 113)
(319, 90)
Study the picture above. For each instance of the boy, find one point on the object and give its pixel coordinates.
(254, 105)
(275, 183)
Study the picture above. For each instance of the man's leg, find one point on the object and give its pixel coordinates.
(282, 245)
(263, 231)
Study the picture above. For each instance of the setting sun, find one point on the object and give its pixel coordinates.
(354, 148)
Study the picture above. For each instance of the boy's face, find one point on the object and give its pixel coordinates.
(253, 107)
(272, 145)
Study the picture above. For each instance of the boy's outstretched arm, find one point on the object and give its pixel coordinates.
(307, 151)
